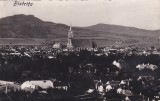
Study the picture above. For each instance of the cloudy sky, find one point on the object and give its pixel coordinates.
(143, 14)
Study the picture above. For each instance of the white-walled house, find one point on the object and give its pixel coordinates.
(44, 84)
(124, 92)
(117, 64)
(8, 86)
(100, 88)
(146, 66)
(108, 88)
(119, 90)
(5, 82)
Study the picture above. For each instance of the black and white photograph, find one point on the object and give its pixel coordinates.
(79, 50)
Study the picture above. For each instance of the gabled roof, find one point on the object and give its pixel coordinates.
(112, 83)
(145, 78)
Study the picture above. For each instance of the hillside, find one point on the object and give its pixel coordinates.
(121, 30)
(29, 26)
(128, 35)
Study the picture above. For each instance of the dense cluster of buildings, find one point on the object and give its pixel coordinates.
(109, 82)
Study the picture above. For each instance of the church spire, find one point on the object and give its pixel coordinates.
(70, 37)
(70, 29)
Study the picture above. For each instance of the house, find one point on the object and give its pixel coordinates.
(123, 82)
(108, 88)
(127, 92)
(33, 85)
(105, 87)
(127, 98)
(5, 82)
(137, 98)
(100, 88)
(124, 92)
(146, 66)
(14, 87)
(140, 66)
(27, 89)
(27, 54)
(113, 83)
(112, 50)
(117, 64)
(98, 85)
(57, 46)
(90, 90)
(16, 54)
(152, 67)
(61, 85)
(119, 90)
(8, 86)
(145, 78)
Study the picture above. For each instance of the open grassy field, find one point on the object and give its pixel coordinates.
(84, 41)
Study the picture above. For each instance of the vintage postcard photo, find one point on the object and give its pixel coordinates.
(79, 50)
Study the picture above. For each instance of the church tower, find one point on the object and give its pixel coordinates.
(70, 38)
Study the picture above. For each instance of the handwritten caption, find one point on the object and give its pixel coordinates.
(29, 3)
(23, 3)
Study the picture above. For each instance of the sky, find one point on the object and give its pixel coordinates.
(144, 14)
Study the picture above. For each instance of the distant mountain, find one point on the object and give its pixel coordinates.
(121, 30)
(29, 26)
(123, 35)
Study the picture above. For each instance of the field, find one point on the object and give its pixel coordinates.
(85, 41)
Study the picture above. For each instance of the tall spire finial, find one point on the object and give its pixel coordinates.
(70, 27)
